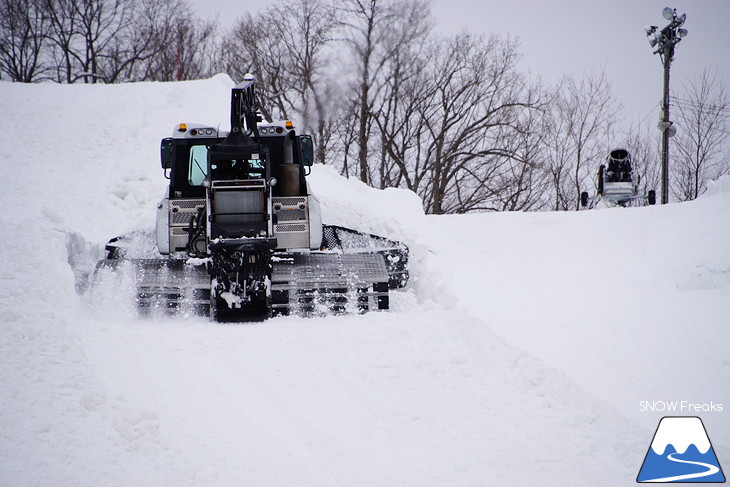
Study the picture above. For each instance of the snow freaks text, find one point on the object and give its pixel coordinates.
(679, 407)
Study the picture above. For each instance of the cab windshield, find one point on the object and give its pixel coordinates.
(249, 168)
(252, 167)
(198, 167)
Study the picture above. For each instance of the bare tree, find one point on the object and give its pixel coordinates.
(475, 90)
(288, 50)
(345, 133)
(23, 31)
(701, 144)
(525, 182)
(99, 25)
(397, 95)
(374, 30)
(182, 45)
(398, 119)
(559, 155)
(64, 20)
(252, 47)
(451, 132)
(306, 29)
(645, 149)
(585, 114)
(134, 48)
(124, 40)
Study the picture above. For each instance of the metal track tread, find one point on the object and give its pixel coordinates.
(351, 242)
(324, 282)
(167, 284)
(315, 269)
(316, 283)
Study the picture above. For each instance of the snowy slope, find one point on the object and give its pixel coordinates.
(505, 361)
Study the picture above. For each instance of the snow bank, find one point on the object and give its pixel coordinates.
(89, 155)
(718, 186)
(394, 213)
(519, 353)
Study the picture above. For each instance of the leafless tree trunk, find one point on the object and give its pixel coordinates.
(140, 42)
(64, 31)
(585, 114)
(644, 145)
(449, 117)
(289, 49)
(183, 46)
(559, 156)
(306, 28)
(701, 142)
(477, 98)
(23, 31)
(250, 47)
(99, 24)
(345, 138)
(127, 40)
(374, 32)
(525, 181)
(366, 15)
(400, 93)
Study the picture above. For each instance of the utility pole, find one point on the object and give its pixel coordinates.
(665, 126)
(665, 40)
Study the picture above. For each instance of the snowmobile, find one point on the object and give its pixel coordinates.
(615, 182)
(240, 234)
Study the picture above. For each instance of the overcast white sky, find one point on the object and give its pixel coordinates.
(576, 36)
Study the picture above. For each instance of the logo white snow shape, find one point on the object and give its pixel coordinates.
(681, 452)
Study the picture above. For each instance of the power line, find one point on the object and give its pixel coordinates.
(724, 110)
(638, 125)
(714, 113)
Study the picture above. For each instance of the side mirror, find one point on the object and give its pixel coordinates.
(166, 153)
(307, 150)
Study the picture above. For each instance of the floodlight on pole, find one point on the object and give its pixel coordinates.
(651, 34)
(664, 42)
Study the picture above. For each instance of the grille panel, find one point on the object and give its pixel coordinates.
(182, 210)
(182, 218)
(290, 201)
(292, 215)
(187, 204)
(291, 228)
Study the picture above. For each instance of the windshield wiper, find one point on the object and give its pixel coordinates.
(199, 167)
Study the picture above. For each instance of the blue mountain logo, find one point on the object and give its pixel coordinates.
(681, 452)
